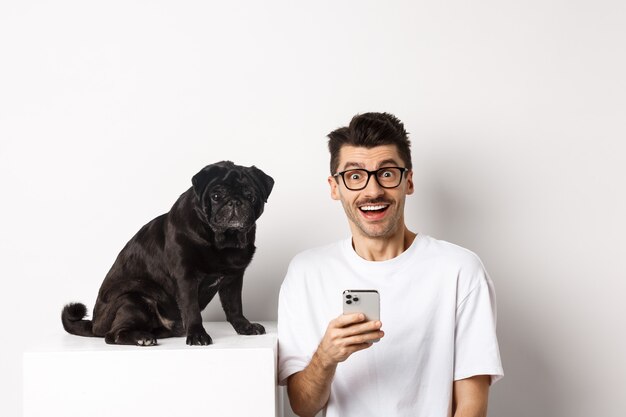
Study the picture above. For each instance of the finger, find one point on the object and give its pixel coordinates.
(361, 328)
(366, 338)
(360, 346)
(348, 319)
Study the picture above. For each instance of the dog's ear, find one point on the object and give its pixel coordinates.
(264, 182)
(207, 175)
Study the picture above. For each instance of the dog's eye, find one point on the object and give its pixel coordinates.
(216, 196)
(250, 197)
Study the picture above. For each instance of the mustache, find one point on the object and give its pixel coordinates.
(373, 202)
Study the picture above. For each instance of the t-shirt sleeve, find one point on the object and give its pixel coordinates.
(294, 353)
(476, 344)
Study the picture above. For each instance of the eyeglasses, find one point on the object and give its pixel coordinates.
(357, 179)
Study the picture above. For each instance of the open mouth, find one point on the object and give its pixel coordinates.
(373, 211)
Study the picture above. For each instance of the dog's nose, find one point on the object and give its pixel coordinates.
(235, 203)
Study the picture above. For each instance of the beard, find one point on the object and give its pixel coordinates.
(384, 228)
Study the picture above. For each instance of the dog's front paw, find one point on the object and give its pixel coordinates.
(248, 328)
(198, 337)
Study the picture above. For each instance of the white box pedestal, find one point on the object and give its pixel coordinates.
(73, 376)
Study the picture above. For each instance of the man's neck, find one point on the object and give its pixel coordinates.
(382, 249)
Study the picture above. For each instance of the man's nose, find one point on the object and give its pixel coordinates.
(373, 189)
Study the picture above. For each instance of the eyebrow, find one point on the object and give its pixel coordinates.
(360, 165)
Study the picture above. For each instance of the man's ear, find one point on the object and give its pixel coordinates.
(334, 188)
(410, 187)
(207, 175)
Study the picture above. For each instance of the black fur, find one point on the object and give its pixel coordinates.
(172, 268)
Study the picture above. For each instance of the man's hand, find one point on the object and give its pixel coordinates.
(309, 389)
(345, 335)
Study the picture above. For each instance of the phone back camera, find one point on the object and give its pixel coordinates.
(348, 302)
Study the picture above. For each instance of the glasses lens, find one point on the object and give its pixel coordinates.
(389, 177)
(355, 178)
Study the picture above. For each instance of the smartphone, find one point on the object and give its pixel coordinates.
(362, 301)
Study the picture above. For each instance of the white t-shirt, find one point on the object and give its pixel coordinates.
(437, 307)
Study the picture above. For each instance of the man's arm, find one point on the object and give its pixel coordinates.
(309, 389)
(470, 396)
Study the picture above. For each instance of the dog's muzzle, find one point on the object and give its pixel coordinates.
(235, 216)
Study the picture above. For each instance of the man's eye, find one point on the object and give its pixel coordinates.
(355, 176)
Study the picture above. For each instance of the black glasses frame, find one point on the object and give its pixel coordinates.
(369, 174)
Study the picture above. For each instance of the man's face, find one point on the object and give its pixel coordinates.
(373, 212)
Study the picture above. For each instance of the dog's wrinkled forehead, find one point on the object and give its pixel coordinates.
(228, 173)
(232, 177)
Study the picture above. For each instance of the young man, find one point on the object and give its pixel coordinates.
(438, 352)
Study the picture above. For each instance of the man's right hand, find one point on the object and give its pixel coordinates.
(345, 335)
(309, 389)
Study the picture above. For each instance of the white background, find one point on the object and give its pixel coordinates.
(516, 110)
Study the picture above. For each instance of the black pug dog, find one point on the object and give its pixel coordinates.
(170, 270)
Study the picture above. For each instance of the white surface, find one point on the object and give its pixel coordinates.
(515, 109)
(67, 375)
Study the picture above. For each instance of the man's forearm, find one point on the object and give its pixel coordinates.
(478, 410)
(309, 389)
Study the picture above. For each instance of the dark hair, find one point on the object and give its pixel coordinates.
(370, 130)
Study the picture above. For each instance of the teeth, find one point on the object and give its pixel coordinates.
(372, 208)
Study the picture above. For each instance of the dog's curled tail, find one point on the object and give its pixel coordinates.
(72, 318)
